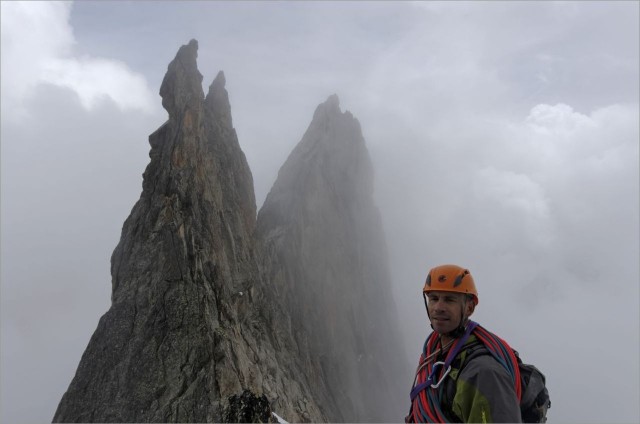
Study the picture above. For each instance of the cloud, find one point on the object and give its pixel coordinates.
(537, 196)
(96, 79)
(74, 133)
(69, 179)
(516, 196)
(37, 48)
(557, 119)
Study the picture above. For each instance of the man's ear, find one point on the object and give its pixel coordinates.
(469, 306)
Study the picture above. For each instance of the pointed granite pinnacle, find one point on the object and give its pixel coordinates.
(217, 101)
(182, 84)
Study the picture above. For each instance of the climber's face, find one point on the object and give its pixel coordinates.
(447, 310)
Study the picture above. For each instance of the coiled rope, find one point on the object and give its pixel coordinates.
(427, 389)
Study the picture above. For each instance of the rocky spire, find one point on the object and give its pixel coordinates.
(182, 84)
(326, 257)
(190, 324)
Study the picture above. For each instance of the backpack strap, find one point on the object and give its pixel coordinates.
(504, 354)
(484, 343)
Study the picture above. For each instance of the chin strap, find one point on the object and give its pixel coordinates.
(461, 328)
(457, 332)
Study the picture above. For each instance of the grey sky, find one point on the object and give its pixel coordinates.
(504, 136)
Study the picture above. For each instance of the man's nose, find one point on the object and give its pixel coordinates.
(437, 305)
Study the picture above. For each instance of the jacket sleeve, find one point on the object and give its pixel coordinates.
(485, 393)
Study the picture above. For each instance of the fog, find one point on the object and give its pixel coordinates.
(504, 137)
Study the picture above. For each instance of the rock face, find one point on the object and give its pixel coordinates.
(218, 314)
(326, 257)
(189, 325)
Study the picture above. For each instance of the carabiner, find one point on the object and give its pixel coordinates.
(433, 371)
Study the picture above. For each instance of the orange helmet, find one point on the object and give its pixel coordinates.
(451, 278)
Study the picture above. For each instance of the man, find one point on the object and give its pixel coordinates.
(465, 374)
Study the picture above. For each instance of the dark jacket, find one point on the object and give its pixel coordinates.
(478, 389)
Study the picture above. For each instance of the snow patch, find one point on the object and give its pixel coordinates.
(279, 418)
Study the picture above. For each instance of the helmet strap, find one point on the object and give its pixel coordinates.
(459, 331)
(426, 306)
